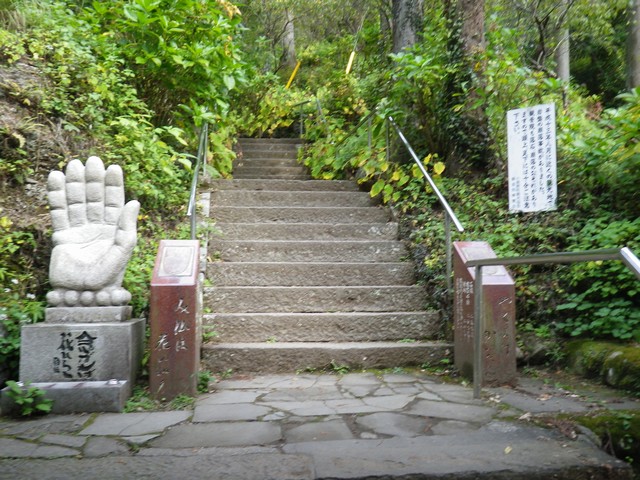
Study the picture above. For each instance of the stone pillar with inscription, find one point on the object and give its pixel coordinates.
(499, 339)
(87, 353)
(175, 320)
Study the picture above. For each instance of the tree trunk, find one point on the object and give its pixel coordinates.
(407, 23)
(633, 45)
(562, 53)
(472, 29)
(289, 42)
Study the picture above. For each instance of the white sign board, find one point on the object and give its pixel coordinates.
(531, 137)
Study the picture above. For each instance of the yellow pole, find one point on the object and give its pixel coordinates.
(293, 75)
(350, 64)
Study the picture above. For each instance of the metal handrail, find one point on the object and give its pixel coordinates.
(622, 254)
(449, 216)
(357, 127)
(201, 160)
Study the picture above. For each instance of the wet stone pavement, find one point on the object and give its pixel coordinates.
(322, 426)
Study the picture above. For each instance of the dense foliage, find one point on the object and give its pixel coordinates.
(432, 93)
(128, 81)
(131, 80)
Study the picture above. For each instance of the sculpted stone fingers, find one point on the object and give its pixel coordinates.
(57, 197)
(95, 189)
(76, 193)
(114, 194)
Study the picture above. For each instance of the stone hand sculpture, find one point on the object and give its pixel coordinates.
(94, 234)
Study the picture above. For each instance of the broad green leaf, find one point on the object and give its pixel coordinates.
(377, 187)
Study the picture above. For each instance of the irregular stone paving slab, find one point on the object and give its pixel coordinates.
(13, 448)
(273, 382)
(319, 432)
(104, 446)
(389, 402)
(395, 424)
(398, 378)
(541, 404)
(311, 408)
(140, 439)
(64, 440)
(223, 413)
(232, 434)
(532, 453)
(134, 423)
(429, 396)
(350, 405)
(465, 413)
(230, 397)
(453, 427)
(273, 466)
(359, 379)
(360, 391)
(301, 394)
(50, 424)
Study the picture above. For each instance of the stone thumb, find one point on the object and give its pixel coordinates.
(127, 223)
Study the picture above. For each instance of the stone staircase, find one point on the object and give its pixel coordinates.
(308, 274)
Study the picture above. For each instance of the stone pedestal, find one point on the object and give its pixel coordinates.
(175, 321)
(499, 338)
(75, 352)
(71, 397)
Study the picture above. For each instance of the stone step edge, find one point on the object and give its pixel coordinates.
(327, 345)
(311, 356)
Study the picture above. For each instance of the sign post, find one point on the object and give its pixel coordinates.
(175, 331)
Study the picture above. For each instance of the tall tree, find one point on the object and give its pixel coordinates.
(633, 45)
(407, 23)
(289, 41)
(562, 53)
(471, 14)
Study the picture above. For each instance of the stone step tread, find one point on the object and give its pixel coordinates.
(259, 154)
(323, 327)
(309, 273)
(254, 176)
(305, 231)
(271, 141)
(300, 356)
(308, 250)
(265, 162)
(231, 214)
(283, 185)
(265, 198)
(315, 299)
(267, 169)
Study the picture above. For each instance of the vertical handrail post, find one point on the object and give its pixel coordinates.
(387, 140)
(449, 251)
(478, 331)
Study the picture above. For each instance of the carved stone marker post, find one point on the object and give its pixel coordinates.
(87, 352)
(499, 338)
(174, 318)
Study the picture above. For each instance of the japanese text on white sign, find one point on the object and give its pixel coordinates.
(531, 136)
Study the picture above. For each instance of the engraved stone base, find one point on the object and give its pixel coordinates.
(72, 352)
(87, 314)
(75, 397)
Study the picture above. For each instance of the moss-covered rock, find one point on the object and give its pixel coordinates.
(615, 364)
(619, 433)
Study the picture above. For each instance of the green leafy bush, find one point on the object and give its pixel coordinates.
(28, 400)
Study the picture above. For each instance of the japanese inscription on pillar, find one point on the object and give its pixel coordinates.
(75, 355)
(175, 331)
(531, 135)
